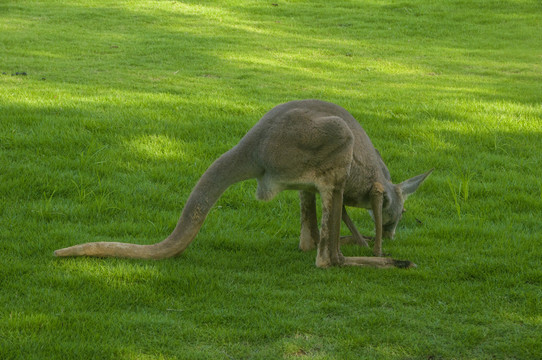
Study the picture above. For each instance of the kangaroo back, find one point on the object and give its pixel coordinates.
(231, 167)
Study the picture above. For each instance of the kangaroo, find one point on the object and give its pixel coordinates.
(311, 146)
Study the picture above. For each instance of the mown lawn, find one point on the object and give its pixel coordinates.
(120, 106)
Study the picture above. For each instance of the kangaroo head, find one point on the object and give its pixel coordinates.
(392, 209)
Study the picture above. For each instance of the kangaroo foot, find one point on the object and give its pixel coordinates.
(306, 244)
(378, 262)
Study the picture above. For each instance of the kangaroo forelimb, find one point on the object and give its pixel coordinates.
(356, 237)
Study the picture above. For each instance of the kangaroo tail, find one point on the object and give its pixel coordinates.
(230, 168)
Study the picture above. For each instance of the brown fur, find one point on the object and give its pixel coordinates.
(311, 146)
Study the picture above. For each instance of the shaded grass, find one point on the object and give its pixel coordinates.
(125, 104)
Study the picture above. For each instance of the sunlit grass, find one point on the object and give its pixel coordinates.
(126, 103)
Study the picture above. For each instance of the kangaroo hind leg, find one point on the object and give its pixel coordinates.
(310, 235)
(329, 253)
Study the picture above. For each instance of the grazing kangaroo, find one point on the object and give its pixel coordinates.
(311, 146)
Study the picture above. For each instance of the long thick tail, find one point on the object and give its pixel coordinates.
(232, 167)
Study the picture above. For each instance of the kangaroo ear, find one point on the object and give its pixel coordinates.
(409, 186)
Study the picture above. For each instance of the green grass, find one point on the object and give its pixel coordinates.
(126, 103)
